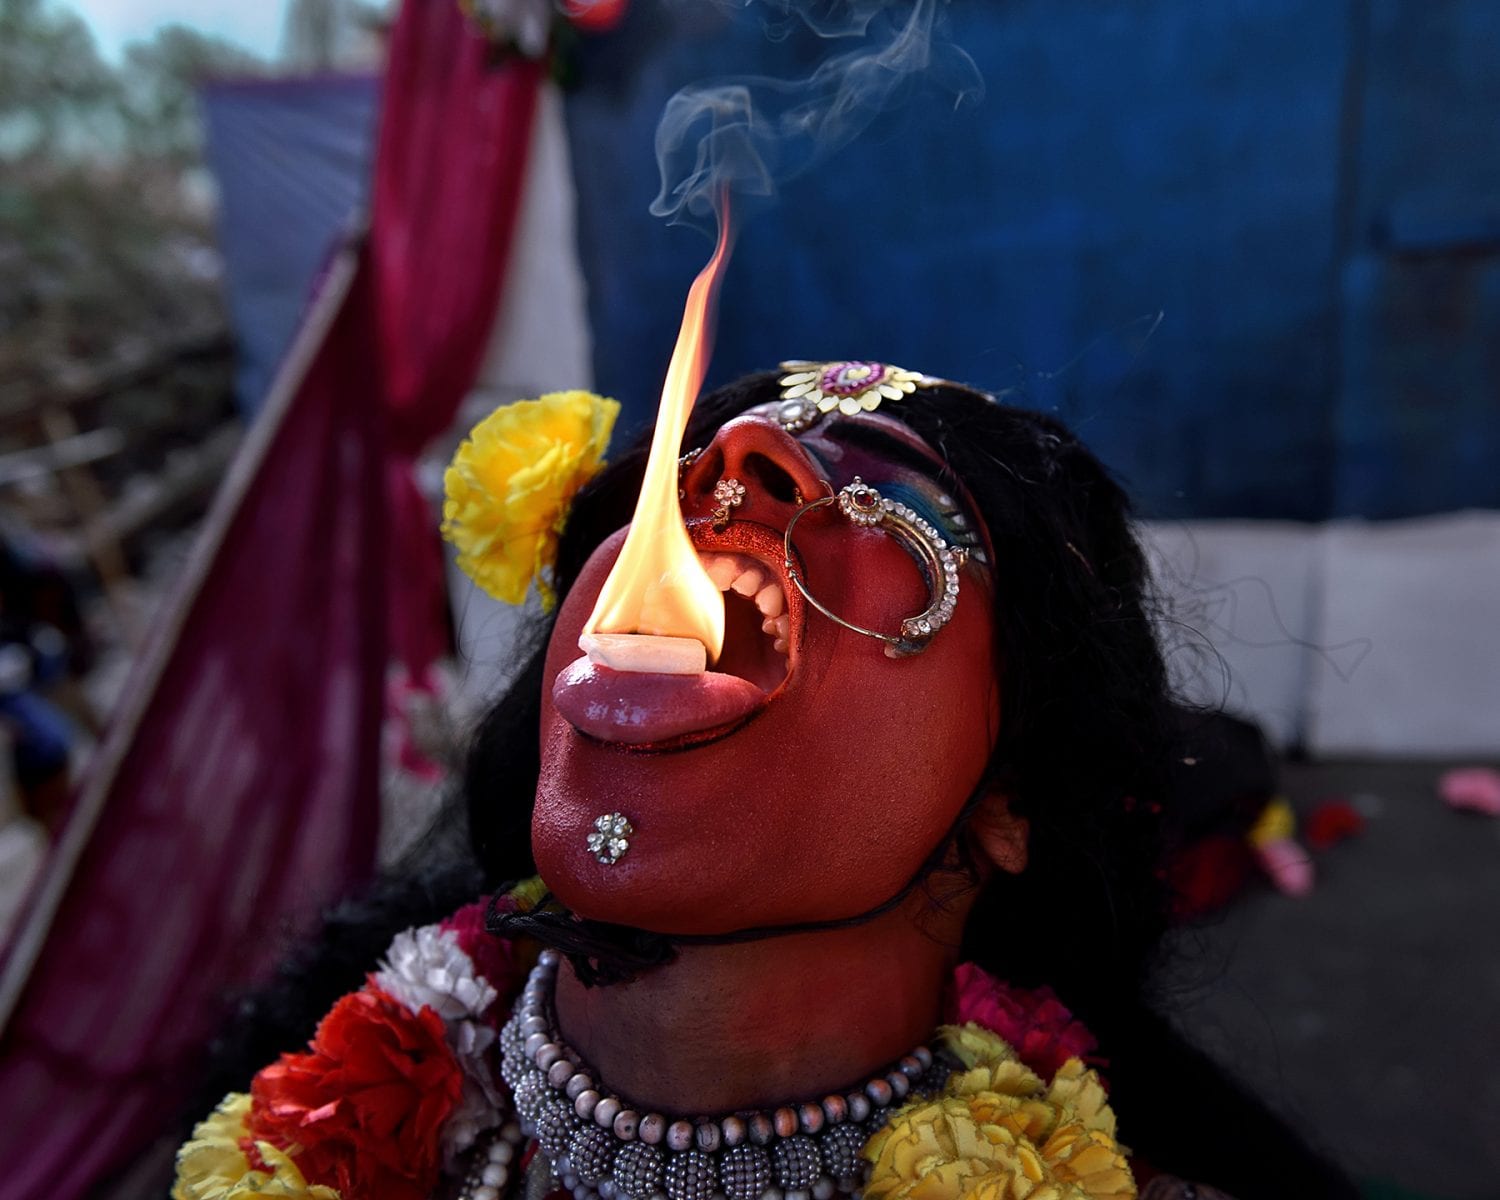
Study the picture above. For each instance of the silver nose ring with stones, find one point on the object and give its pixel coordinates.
(863, 506)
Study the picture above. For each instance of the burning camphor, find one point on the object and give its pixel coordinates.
(659, 611)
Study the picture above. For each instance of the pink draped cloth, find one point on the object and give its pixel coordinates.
(447, 192)
(237, 791)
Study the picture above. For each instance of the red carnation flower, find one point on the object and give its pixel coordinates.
(366, 1105)
(1042, 1031)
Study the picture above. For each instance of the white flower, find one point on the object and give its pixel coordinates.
(479, 1109)
(427, 967)
(475, 1113)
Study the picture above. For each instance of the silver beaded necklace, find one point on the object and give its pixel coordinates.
(600, 1146)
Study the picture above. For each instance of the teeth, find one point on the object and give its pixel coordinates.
(731, 572)
(770, 601)
(721, 569)
(749, 583)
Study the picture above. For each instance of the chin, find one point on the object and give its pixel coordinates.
(661, 887)
(704, 857)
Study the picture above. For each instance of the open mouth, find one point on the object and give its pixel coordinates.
(757, 627)
(762, 619)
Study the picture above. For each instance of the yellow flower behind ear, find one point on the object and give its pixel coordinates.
(213, 1166)
(511, 483)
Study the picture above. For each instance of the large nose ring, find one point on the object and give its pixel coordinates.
(863, 506)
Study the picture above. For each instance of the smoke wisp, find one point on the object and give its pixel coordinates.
(743, 137)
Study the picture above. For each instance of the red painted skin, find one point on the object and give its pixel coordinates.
(826, 801)
(821, 806)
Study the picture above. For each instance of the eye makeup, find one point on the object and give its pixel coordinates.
(898, 469)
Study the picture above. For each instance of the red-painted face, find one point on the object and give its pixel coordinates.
(825, 799)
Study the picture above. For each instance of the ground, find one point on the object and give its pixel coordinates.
(1371, 1009)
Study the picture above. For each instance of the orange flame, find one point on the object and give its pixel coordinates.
(658, 586)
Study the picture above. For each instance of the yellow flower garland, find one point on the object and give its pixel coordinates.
(214, 1166)
(997, 1132)
(511, 482)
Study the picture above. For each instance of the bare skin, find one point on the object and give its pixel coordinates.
(789, 1018)
(734, 1027)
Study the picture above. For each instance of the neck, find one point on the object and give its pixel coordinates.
(726, 1028)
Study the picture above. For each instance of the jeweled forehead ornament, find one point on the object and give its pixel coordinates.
(811, 390)
(863, 506)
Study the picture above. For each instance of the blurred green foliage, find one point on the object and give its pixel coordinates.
(106, 240)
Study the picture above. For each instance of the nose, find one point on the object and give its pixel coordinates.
(778, 474)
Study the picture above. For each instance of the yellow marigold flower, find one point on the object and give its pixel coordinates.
(999, 1133)
(974, 1045)
(1076, 1090)
(1009, 1078)
(1029, 1117)
(511, 483)
(213, 1165)
(939, 1150)
(1090, 1160)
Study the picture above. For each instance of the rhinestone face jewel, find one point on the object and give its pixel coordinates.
(610, 838)
(861, 503)
(810, 389)
(728, 494)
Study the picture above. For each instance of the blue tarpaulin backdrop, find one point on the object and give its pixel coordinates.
(292, 162)
(1251, 250)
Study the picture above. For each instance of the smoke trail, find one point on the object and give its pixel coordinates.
(743, 136)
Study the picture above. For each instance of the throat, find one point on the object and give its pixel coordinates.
(729, 1028)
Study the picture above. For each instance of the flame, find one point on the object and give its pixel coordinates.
(658, 586)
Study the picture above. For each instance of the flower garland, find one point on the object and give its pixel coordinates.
(396, 1084)
(997, 1132)
(399, 1082)
(511, 483)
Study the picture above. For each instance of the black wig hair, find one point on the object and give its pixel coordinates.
(1082, 754)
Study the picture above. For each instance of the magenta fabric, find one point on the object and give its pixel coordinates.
(247, 797)
(248, 794)
(447, 190)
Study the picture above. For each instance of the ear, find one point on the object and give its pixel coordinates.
(1000, 834)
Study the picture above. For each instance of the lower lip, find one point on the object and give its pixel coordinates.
(637, 709)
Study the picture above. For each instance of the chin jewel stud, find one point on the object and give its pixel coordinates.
(728, 494)
(610, 838)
